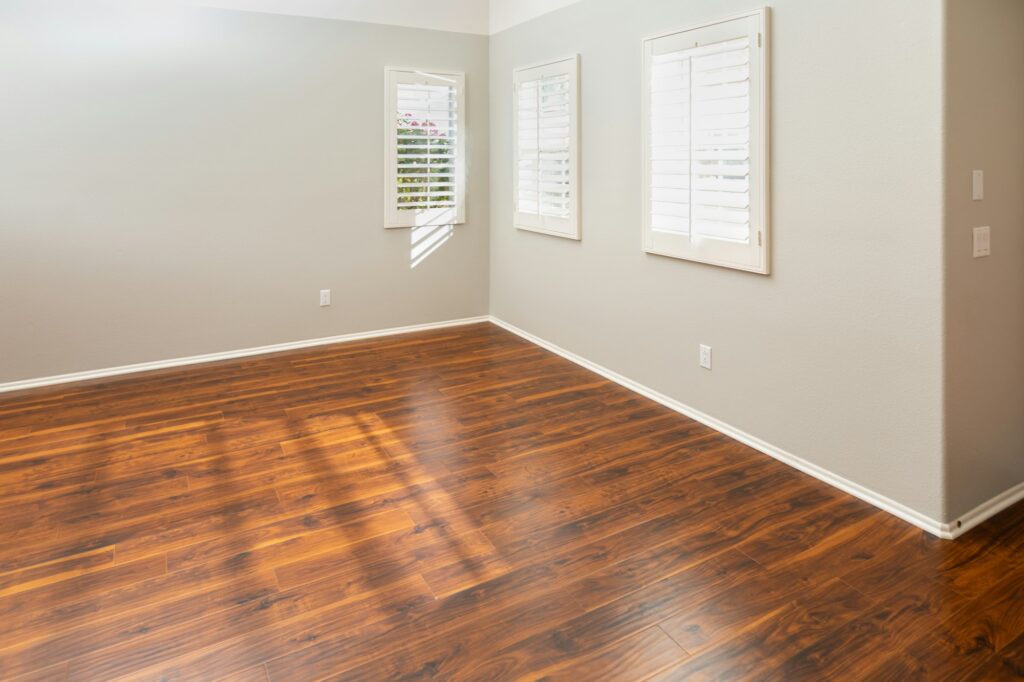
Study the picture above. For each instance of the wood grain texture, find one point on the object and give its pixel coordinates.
(457, 504)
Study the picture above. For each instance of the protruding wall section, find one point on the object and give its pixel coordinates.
(984, 301)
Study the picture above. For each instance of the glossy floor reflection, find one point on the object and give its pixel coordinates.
(457, 504)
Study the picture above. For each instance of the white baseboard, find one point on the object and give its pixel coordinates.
(943, 530)
(967, 521)
(228, 355)
(987, 510)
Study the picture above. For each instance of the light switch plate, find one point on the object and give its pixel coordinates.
(982, 241)
(325, 298)
(977, 185)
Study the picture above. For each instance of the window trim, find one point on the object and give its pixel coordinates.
(519, 220)
(392, 217)
(761, 216)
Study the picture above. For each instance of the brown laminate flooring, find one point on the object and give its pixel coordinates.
(457, 504)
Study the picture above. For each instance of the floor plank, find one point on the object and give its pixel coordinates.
(459, 504)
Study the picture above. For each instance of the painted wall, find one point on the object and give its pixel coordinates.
(984, 297)
(837, 356)
(185, 182)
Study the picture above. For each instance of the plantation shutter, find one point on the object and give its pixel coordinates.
(426, 131)
(546, 138)
(705, 144)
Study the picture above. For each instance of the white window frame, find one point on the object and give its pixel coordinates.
(568, 227)
(754, 256)
(393, 217)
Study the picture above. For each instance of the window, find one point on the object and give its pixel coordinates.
(426, 141)
(705, 143)
(545, 178)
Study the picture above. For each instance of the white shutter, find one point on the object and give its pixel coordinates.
(425, 127)
(546, 141)
(705, 156)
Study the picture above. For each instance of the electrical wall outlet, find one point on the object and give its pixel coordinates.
(982, 241)
(325, 297)
(705, 356)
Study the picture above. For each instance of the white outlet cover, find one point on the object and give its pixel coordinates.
(705, 356)
(325, 297)
(982, 237)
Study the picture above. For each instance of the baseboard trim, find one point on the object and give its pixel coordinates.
(231, 354)
(987, 510)
(937, 528)
(964, 523)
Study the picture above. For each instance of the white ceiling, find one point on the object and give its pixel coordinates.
(507, 13)
(466, 16)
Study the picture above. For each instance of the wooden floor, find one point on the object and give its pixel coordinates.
(457, 504)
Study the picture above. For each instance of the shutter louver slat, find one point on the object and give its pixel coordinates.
(705, 131)
(699, 141)
(426, 135)
(425, 144)
(543, 146)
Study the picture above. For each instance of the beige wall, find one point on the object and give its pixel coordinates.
(183, 184)
(984, 331)
(186, 185)
(836, 357)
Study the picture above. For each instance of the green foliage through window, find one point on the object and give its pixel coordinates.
(426, 164)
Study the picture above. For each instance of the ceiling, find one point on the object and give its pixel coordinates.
(467, 16)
